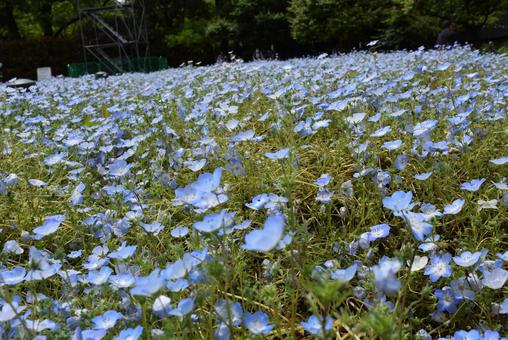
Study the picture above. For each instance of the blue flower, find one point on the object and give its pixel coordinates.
(324, 180)
(314, 325)
(465, 335)
(503, 307)
(123, 252)
(119, 168)
(257, 323)
(378, 231)
(50, 225)
(12, 277)
(473, 185)
(148, 285)
(500, 161)
(153, 228)
(122, 280)
(185, 306)
(324, 195)
(228, 311)
(130, 333)
(467, 259)
(439, 267)
(214, 222)
(344, 275)
(281, 154)
(222, 332)
(107, 320)
(265, 239)
(422, 177)
(384, 275)
(392, 145)
(447, 301)
(454, 208)
(179, 232)
(417, 224)
(399, 201)
(99, 277)
(495, 279)
(162, 306)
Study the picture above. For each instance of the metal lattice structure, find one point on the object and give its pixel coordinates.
(113, 33)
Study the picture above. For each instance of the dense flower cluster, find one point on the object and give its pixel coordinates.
(190, 202)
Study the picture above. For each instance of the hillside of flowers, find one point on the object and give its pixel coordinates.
(355, 196)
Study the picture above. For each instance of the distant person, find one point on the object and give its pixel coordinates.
(448, 35)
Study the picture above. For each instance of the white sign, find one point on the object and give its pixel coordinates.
(43, 73)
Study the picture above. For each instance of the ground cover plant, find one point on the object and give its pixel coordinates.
(353, 196)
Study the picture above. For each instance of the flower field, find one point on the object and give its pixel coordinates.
(357, 196)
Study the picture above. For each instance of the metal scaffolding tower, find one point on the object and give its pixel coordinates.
(113, 33)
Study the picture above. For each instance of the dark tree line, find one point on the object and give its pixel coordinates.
(202, 30)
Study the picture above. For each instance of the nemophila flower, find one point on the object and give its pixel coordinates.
(418, 225)
(38, 326)
(429, 243)
(195, 165)
(179, 232)
(467, 335)
(447, 301)
(177, 285)
(439, 267)
(382, 131)
(229, 312)
(495, 279)
(503, 256)
(119, 168)
(49, 226)
(324, 195)
(107, 320)
(153, 228)
(162, 306)
(398, 202)
(424, 127)
(11, 180)
(122, 280)
(148, 285)
(344, 275)
(214, 222)
(314, 326)
(89, 334)
(258, 202)
(454, 208)
(419, 262)
(242, 136)
(37, 183)
(263, 240)
(423, 176)
(467, 259)
(222, 332)
(401, 162)
(12, 247)
(281, 154)
(323, 180)
(503, 307)
(473, 185)
(185, 306)
(10, 310)
(98, 277)
(12, 277)
(55, 159)
(500, 161)
(123, 252)
(130, 333)
(356, 117)
(463, 289)
(378, 231)
(77, 194)
(258, 323)
(429, 211)
(384, 275)
(392, 145)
